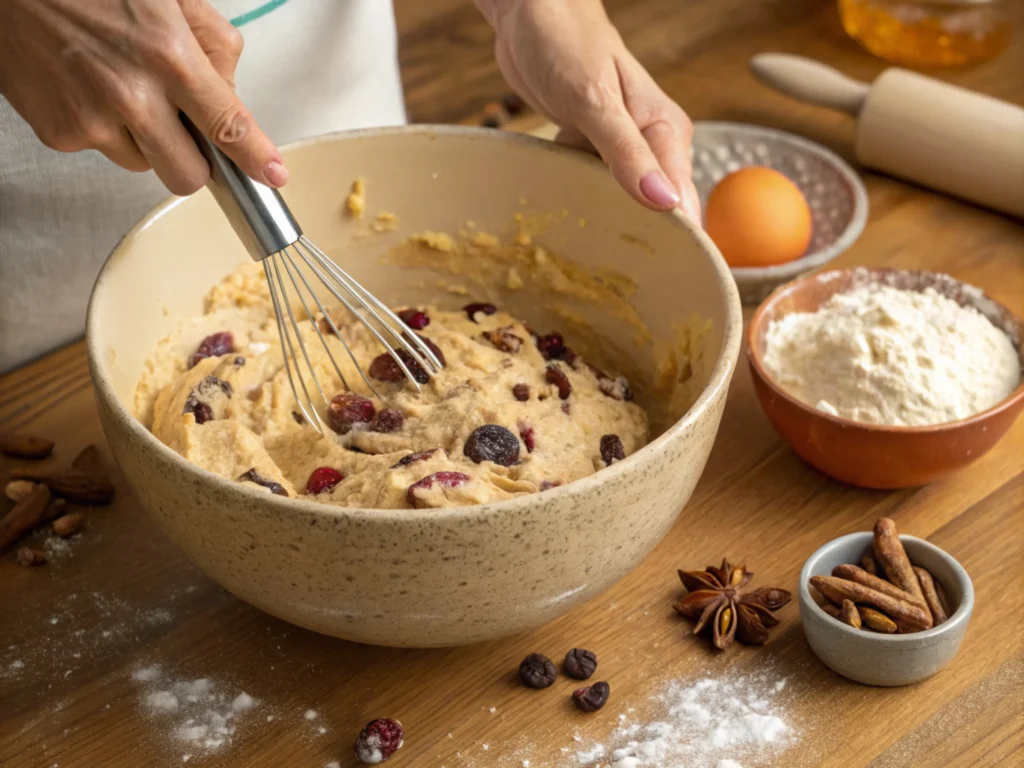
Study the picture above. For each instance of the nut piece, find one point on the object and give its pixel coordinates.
(879, 622)
(580, 663)
(378, 741)
(848, 614)
(28, 557)
(67, 525)
(591, 698)
(537, 671)
(16, 490)
(21, 446)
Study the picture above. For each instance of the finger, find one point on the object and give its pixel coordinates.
(669, 139)
(570, 137)
(615, 135)
(221, 42)
(124, 152)
(220, 114)
(167, 146)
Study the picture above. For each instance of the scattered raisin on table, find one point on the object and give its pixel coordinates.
(378, 741)
(323, 479)
(492, 442)
(580, 663)
(593, 697)
(555, 375)
(537, 671)
(348, 409)
(611, 449)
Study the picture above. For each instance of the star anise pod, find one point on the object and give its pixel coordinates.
(720, 597)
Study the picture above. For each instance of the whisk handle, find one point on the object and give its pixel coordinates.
(257, 213)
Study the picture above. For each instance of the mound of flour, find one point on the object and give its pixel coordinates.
(881, 355)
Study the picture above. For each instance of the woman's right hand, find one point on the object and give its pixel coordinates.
(112, 75)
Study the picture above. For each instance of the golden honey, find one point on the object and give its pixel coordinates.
(927, 34)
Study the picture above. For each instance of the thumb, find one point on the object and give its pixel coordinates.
(615, 135)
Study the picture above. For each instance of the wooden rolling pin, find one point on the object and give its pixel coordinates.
(919, 129)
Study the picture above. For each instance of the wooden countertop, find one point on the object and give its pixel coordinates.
(123, 598)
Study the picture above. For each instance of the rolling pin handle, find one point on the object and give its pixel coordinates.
(810, 81)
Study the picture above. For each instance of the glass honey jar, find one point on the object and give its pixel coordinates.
(928, 33)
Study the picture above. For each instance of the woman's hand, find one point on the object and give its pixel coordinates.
(566, 59)
(112, 75)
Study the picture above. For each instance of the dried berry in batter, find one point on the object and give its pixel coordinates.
(472, 309)
(557, 376)
(347, 410)
(492, 442)
(443, 479)
(214, 345)
(611, 449)
(252, 476)
(416, 319)
(521, 392)
(388, 420)
(407, 460)
(323, 479)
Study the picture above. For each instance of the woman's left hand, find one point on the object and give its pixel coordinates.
(568, 62)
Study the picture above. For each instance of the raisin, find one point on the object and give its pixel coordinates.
(239, 361)
(443, 479)
(556, 376)
(611, 449)
(203, 413)
(529, 437)
(416, 319)
(378, 741)
(388, 420)
(570, 357)
(521, 392)
(592, 698)
(214, 345)
(385, 368)
(472, 309)
(504, 339)
(323, 479)
(407, 460)
(580, 663)
(252, 476)
(196, 402)
(537, 671)
(299, 418)
(492, 443)
(348, 409)
(551, 346)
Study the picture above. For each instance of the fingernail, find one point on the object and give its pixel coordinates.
(658, 190)
(275, 173)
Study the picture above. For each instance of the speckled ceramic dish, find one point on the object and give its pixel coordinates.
(423, 577)
(877, 659)
(834, 192)
(871, 455)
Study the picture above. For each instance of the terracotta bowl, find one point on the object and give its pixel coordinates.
(869, 455)
(422, 577)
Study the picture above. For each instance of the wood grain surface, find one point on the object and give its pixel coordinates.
(123, 598)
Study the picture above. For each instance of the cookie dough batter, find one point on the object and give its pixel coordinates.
(511, 413)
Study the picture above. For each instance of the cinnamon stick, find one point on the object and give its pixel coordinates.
(879, 622)
(893, 559)
(24, 516)
(848, 614)
(859, 575)
(908, 616)
(931, 595)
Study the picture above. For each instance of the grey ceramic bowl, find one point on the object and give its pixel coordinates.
(877, 659)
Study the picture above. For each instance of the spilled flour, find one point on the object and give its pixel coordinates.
(737, 721)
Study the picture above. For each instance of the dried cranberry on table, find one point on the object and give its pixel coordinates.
(555, 375)
(471, 310)
(591, 698)
(348, 409)
(252, 476)
(580, 663)
(214, 345)
(416, 319)
(611, 449)
(388, 420)
(378, 741)
(412, 457)
(444, 479)
(521, 392)
(537, 671)
(323, 479)
(492, 442)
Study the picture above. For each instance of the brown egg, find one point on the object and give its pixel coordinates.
(757, 217)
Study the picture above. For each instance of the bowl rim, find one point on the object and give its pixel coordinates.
(757, 321)
(718, 380)
(854, 228)
(960, 616)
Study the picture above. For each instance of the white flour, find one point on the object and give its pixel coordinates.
(881, 355)
(727, 722)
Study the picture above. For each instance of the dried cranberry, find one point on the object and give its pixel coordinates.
(203, 413)
(537, 671)
(492, 443)
(443, 479)
(593, 697)
(556, 376)
(547, 485)
(580, 663)
(388, 420)
(504, 339)
(433, 348)
(521, 392)
(407, 460)
(551, 346)
(472, 309)
(385, 368)
(570, 357)
(611, 449)
(196, 402)
(214, 345)
(416, 319)
(348, 409)
(378, 741)
(252, 476)
(529, 437)
(323, 479)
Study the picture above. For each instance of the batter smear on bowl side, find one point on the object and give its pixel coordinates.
(513, 412)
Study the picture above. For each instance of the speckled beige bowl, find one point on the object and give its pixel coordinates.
(420, 577)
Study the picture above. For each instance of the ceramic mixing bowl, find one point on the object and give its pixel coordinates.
(873, 455)
(424, 577)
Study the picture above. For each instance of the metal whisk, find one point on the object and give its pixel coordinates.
(270, 233)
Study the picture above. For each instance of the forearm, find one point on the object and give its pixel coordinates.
(495, 10)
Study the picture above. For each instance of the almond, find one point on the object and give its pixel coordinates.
(22, 446)
(24, 516)
(89, 460)
(79, 487)
(67, 525)
(28, 557)
(16, 490)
